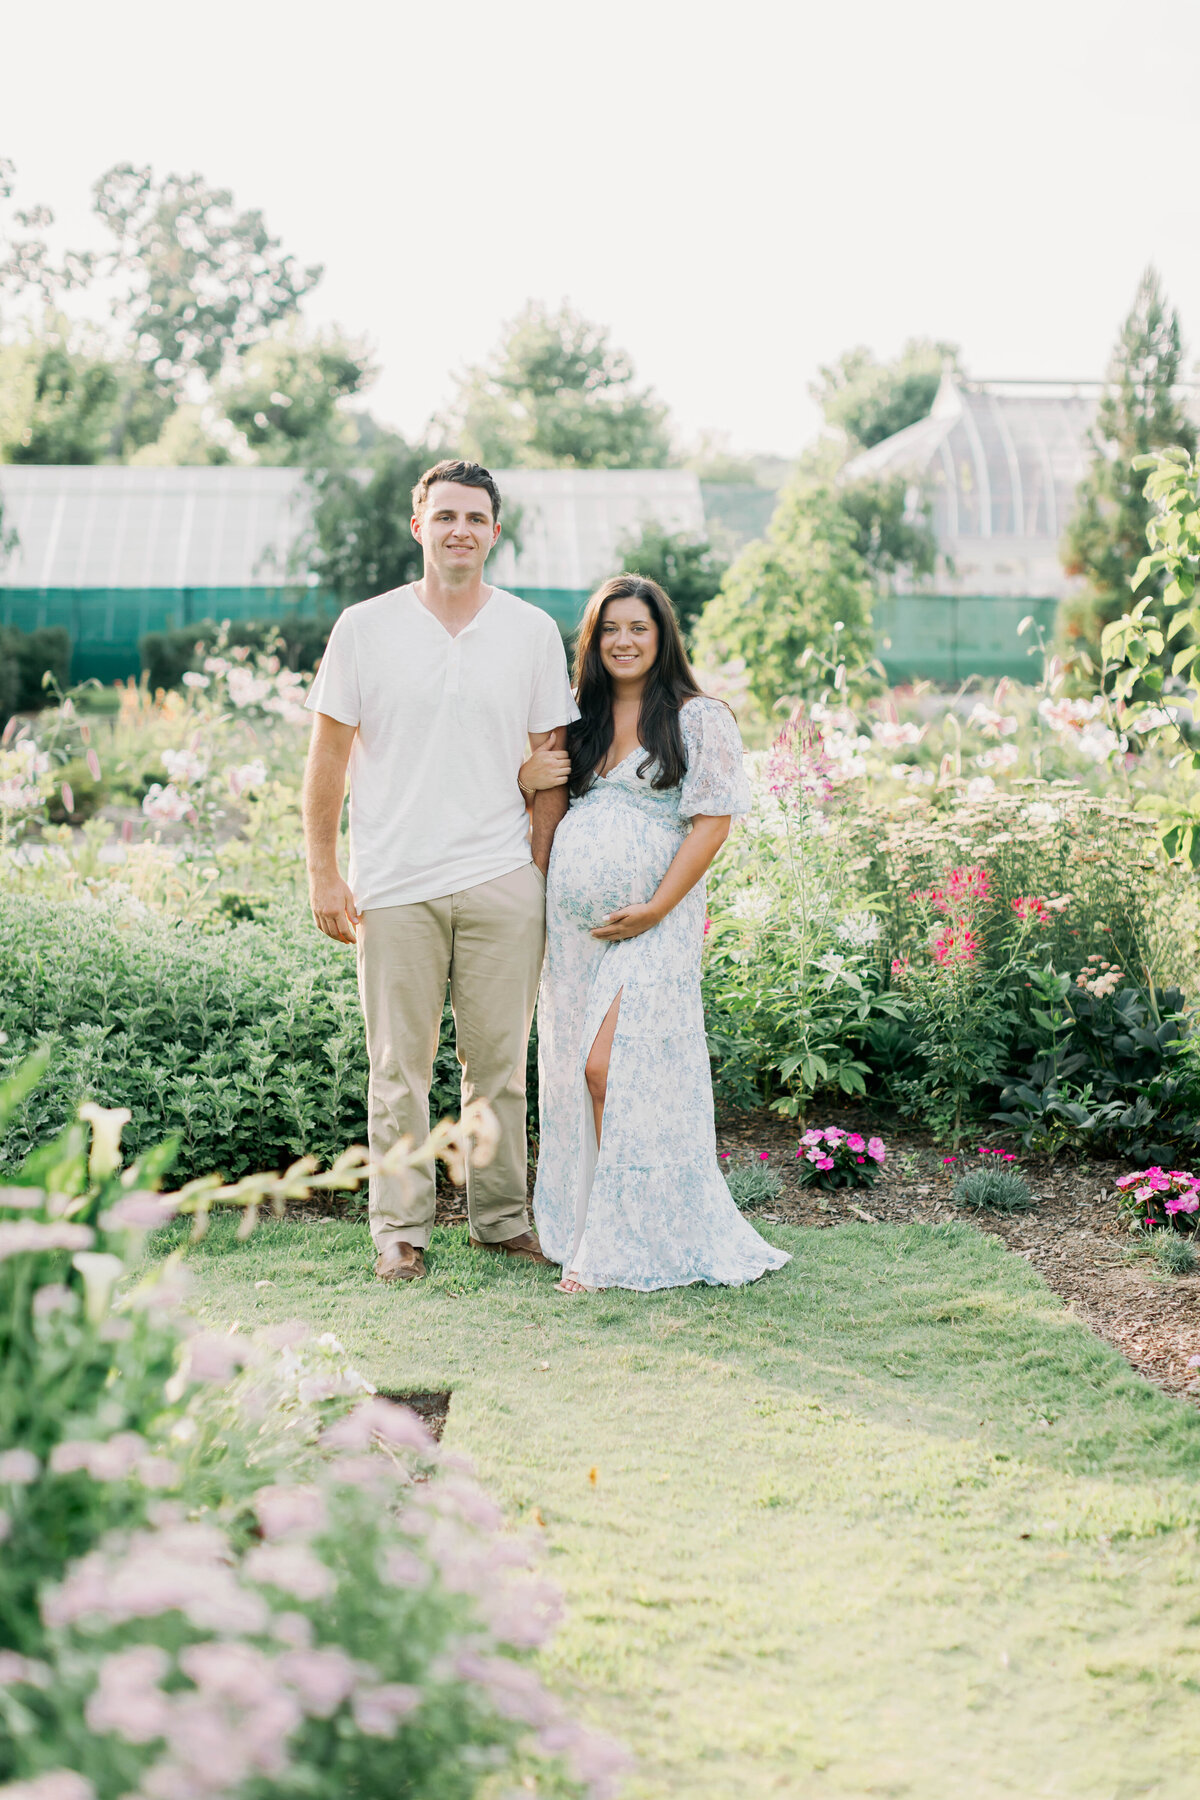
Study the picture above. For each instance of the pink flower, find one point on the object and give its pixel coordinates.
(139, 1211)
(875, 1149)
(23, 1670)
(859, 1159)
(1183, 1203)
(707, 924)
(127, 1699)
(815, 1155)
(824, 1162)
(213, 1356)
(19, 1467)
(291, 1567)
(1029, 906)
(949, 1159)
(855, 1142)
(378, 1711)
(813, 1137)
(18, 1236)
(724, 1156)
(956, 943)
(322, 1678)
(1143, 1193)
(290, 1511)
(397, 1425)
(404, 1568)
(764, 1156)
(899, 966)
(58, 1784)
(834, 1135)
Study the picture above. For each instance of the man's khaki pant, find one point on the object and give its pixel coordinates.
(487, 941)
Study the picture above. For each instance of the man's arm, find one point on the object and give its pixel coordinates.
(332, 902)
(549, 803)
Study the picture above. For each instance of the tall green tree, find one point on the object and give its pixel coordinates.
(788, 591)
(1141, 412)
(283, 395)
(557, 395)
(689, 568)
(869, 400)
(359, 541)
(201, 281)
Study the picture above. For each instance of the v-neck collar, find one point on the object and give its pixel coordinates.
(452, 636)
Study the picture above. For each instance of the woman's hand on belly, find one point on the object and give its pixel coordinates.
(628, 922)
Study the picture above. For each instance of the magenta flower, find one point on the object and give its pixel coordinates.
(854, 1142)
(949, 1159)
(859, 1159)
(764, 1156)
(824, 1162)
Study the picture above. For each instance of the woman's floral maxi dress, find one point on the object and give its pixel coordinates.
(652, 1210)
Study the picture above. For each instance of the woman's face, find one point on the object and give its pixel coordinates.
(628, 640)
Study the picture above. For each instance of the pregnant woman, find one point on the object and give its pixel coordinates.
(628, 1190)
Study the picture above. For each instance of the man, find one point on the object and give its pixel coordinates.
(429, 694)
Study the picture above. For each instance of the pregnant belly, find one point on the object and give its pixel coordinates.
(603, 859)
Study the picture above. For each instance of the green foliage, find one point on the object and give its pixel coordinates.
(360, 540)
(298, 641)
(1175, 1254)
(788, 591)
(202, 281)
(888, 539)
(58, 403)
(688, 568)
(1141, 412)
(556, 395)
(870, 400)
(284, 394)
(87, 794)
(753, 1183)
(25, 658)
(993, 1190)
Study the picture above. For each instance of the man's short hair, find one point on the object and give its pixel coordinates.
(464, 474)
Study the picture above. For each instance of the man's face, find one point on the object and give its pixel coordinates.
(456, 530)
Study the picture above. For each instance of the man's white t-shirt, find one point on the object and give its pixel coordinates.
(442, 723)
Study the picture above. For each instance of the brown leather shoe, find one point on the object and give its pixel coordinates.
(525, 1246)
(400, 1262)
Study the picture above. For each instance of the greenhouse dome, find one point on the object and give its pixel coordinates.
(1000, 463)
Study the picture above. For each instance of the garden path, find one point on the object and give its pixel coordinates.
(888, 1523)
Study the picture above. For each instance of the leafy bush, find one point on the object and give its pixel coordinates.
(245, 1043)
(25, 657)
(299, 640)
(993, 1190)
(215, 1583)
(751, 1184)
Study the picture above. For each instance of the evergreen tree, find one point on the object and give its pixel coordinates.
(1141, 411)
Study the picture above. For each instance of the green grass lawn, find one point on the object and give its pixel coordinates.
(888, 1523)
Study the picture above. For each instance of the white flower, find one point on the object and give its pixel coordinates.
(858, 929)
(1067, 715)
(1042, 813)
(890, 735)
(166, 805)
(1004, 756)
(184, 766)
(247, 776)
(107, 1123)
(753, 905)
(912, 773)
(1155, 717)
(246, 689)
(980, 788)
(1098, 743)
(194, 680)
(831, 962)
(991, 722)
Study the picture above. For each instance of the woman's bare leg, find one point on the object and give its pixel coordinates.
(596, 1075)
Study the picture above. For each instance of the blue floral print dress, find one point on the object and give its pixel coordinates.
(652, 1209)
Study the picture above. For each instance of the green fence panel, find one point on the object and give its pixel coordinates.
(946, 637)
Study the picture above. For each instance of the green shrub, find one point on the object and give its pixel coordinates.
(1175, 1254)
(299, 640)
(993, 1190)
(246, 1042)
(87, 794)
(753, 1185)
(25, 657)
(209, 1572)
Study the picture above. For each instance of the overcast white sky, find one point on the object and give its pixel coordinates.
(741, 191)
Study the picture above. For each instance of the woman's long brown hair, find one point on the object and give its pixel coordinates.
(669, 684)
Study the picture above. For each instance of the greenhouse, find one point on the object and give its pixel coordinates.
(999, 463)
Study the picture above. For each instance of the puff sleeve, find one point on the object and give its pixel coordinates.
(715, 783)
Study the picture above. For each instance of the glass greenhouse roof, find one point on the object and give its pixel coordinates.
(999, 460)
(230, 527)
